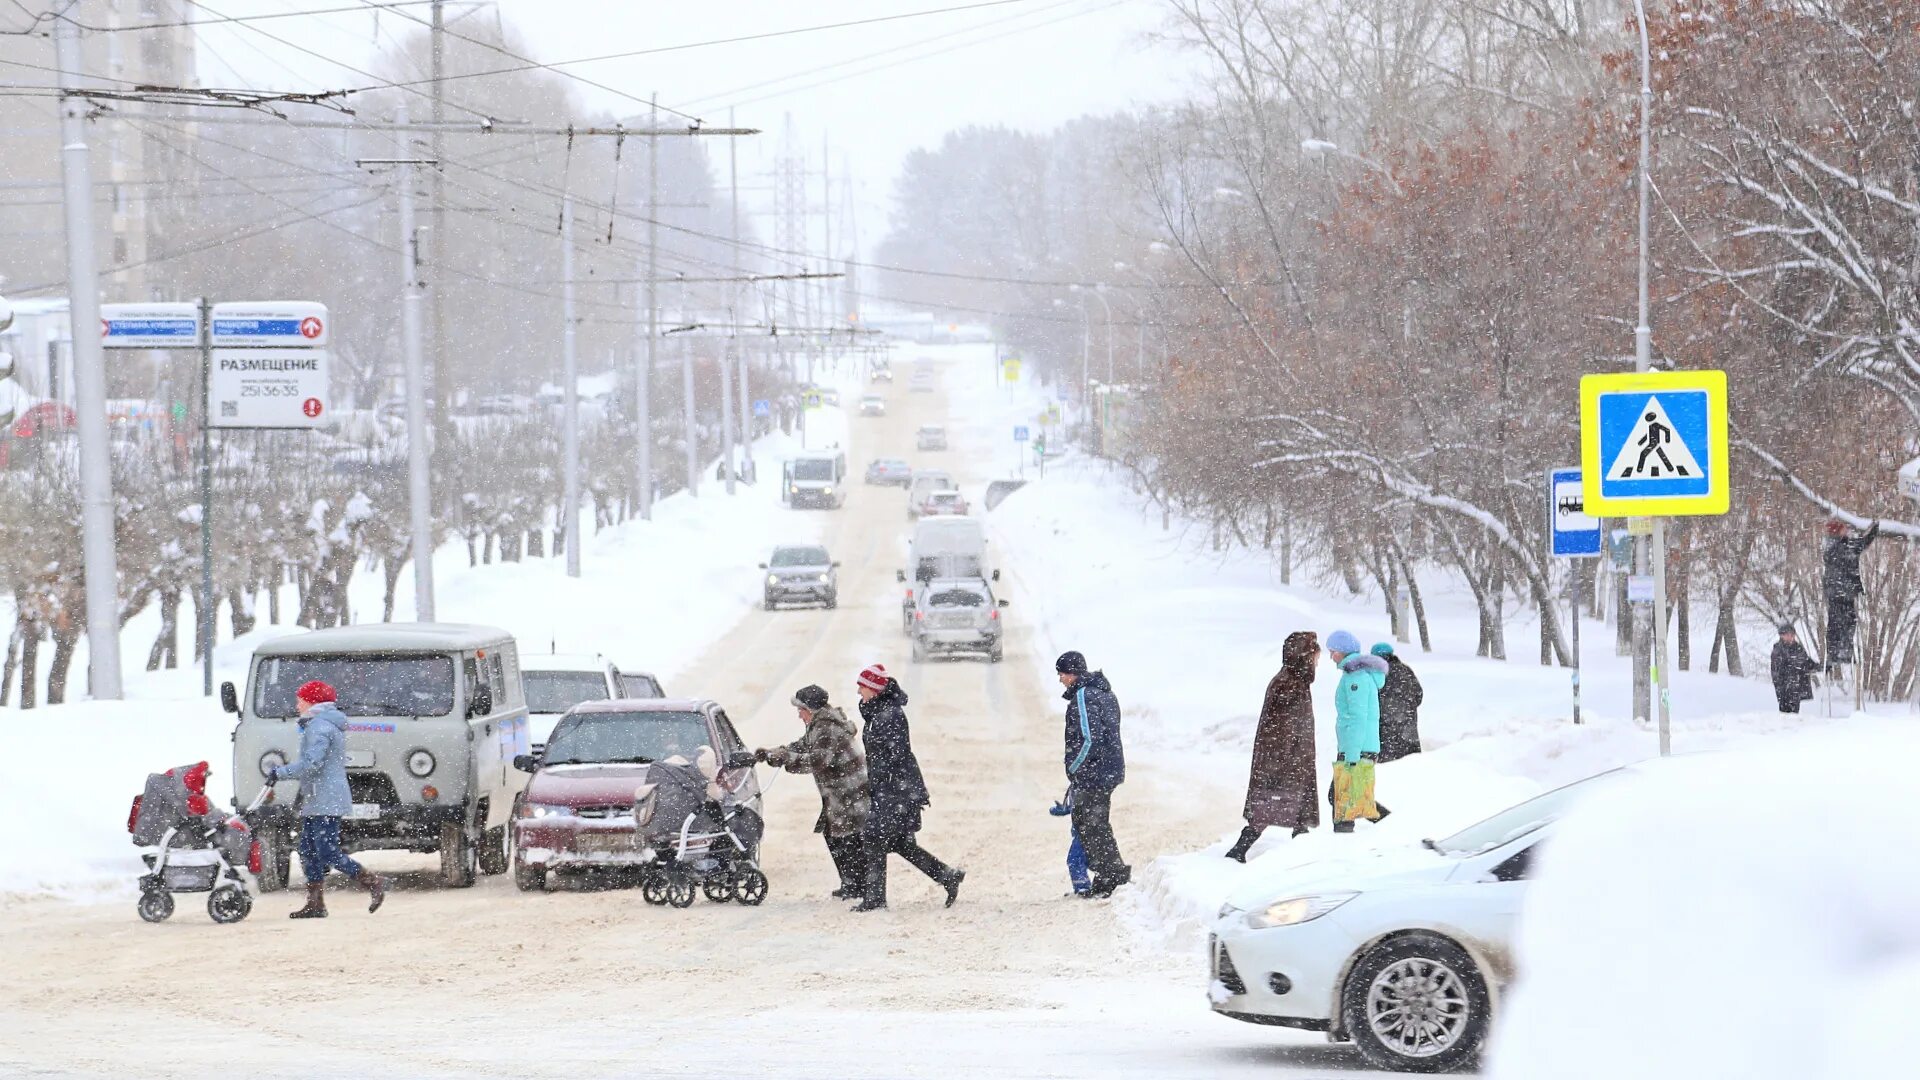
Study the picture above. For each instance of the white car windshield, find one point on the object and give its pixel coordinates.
(558, 691)
(1518, 821)
(632, 738)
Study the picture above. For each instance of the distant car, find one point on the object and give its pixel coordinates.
(943, 502)
(889, 471)
(556, 682)
(957, 615)
(883, 374)
(1404, 952)
(930, 437)
(873, 405)
(924, 483)
(577, 812)
(803, 574)
(829, 396)
(922, 382)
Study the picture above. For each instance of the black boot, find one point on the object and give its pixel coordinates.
(316, 903)
(953, 885)
(1342, 826)
(1248, 836)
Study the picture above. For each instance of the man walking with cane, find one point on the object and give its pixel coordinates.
(1095, 765)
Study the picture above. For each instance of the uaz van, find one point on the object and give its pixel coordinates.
(435, 716)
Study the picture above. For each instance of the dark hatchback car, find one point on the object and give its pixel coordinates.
(577, 812)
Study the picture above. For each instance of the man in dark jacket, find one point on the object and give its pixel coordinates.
(1096, 764)
(1400, 699)
(1840, 561)
(1792, 671)
(896, 792)
(830, 751)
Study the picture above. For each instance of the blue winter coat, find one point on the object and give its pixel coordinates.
(322, 765)
(1356, 705)
(1094, 756)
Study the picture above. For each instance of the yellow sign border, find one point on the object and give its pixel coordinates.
(1719, 472)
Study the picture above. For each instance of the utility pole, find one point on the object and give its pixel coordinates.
(89, 371)
(419, 437)
(826, 245)
(692, 439)
(746, 406)
(726, 401)
(570, 413)
(644, 391)
(437, 251)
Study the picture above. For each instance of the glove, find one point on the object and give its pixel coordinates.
(273, 777)
(1060, 809)
(760, 756)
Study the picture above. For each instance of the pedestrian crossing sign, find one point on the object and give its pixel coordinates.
(1654, 443)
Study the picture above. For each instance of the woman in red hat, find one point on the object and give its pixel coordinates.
(324, 799)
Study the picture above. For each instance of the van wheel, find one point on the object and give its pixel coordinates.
(456, 856)
(493, 852)
(276, 859)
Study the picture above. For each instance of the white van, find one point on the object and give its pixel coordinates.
(925, 482)
(815, 478)
(435, 717)
(943, 547)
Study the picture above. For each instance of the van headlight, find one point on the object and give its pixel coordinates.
(773, 579)
(824, 578)
(1297, 909)
(270, 761)
(420, 763)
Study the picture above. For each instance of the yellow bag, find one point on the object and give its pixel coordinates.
(1353, 791)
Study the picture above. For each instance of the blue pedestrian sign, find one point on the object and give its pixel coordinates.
(1654, 444)
(762, 407)
(1575, 535)
(1020, 433)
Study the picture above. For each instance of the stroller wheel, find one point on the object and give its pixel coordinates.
(228, 904)
(156, 906)
(719, 888)
(680, 892)
(751, 887)
(653, 889)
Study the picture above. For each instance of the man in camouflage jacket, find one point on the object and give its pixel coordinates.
(830, 750)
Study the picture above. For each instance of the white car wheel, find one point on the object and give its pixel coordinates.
(1417, 1004)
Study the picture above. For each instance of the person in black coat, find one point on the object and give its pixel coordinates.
(896, 792)
(1096, 764)
(1840, 561)
(1400, 698)
(1792, 671)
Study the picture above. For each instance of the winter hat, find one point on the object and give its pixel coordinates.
(1383, 649)
(1342, 642)
(810, 697)
(875, 678)
(1786, 628)
(1836, 527)
(1070, 663)
(314, 693)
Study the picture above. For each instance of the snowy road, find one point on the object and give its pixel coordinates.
(1017, 980)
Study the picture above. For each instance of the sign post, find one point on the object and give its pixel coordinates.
(1653, 444)
(1020, 451)
(1575, 536)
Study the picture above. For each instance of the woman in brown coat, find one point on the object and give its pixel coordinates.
(1282, 788)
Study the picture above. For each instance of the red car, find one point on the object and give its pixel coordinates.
(577, 812)
(943, 502)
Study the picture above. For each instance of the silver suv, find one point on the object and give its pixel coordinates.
(802, 574)
(953, 615)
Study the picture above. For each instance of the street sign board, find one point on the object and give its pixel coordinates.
(267, 388)
(272, 324)
(1020, 433)
(762, 407)
(1639, 588)
(1575, 535)
(1654, 443)
(1010, 369)
(149, 326)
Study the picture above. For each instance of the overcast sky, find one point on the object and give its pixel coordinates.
(876, 90)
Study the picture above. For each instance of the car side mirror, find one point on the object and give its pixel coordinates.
(763, 566)
(740, 759)
(482, 702)
(526, 763)
(835, 564)
(229, 698)
(900, 575)
(996, 575)
(1005, 603)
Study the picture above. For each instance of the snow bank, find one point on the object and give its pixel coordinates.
(1744, 914)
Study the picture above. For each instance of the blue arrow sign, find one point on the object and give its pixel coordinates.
(1655, 445)
(1575, 534)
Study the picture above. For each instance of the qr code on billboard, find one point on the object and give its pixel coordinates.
(229, 409)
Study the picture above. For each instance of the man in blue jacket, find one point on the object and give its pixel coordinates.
(324, 799)
(1096, 765)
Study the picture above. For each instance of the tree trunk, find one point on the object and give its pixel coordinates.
(536, 541)
(166, 646)
(29, 666)
(276, 579)
(393, 567)
(63, 643)
(1286, 549)
(13, 659)
(473, 553)
(240, 612)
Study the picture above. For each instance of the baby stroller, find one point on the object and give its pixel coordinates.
(697, 836)
(199, 850)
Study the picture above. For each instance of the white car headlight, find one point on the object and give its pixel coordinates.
(420, 763)
(773, 579)
(1295, 910)
(824, 578)
(542, 810)
(271, 760)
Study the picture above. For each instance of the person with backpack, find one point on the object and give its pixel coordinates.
(1096, 765)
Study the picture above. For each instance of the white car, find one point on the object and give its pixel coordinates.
(873, 405)
(556, 682)
(930, 437)
(1404, 952)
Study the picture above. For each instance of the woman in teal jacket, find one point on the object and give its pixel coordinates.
(1356, 730)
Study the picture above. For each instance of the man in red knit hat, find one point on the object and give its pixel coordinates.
(324, 799)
